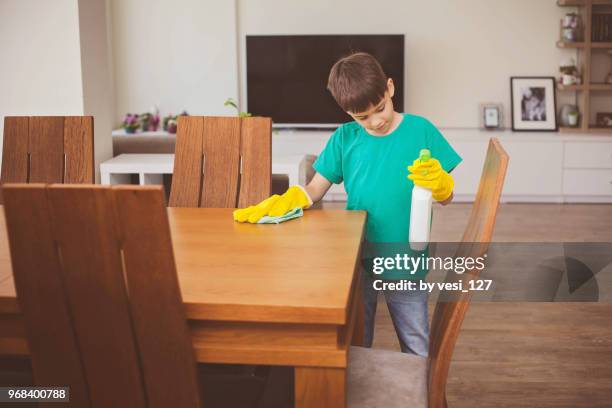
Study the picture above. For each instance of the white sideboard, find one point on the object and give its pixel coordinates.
(543, 167)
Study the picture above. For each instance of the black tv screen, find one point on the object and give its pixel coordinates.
(287, 75)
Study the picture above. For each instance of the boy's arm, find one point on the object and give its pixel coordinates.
(317, 187)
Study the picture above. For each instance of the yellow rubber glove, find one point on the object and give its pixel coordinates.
(430, 174)
(275, 206)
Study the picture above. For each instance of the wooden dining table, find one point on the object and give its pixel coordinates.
(287, 294)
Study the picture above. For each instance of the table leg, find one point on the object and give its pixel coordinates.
(359, 328)
(317, 387)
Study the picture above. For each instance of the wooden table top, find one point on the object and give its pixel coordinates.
(299, 271)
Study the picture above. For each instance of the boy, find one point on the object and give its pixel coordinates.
(369, 155)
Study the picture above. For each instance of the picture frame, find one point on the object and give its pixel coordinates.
(604, 119)
(491, 116)
(533, 104)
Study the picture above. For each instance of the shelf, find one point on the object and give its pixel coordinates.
(570, 88)
(595, 129)
(586, 49)
(600, 87)
(570, 44)
(582, 44)
(597, 44)
(570, 3)
(591, 129)
(577, 88)
(582, 3)
(576, 129)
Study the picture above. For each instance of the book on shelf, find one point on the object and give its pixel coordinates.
(601, 31)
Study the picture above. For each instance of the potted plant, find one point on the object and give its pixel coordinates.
(170, 122)
(572, 118)
(145, 120)
(231, 102)
(149, 122)
(131, 123)
(166, 120)
(172, 125)
(569, 73)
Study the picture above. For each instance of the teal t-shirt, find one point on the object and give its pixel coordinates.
(374, 171)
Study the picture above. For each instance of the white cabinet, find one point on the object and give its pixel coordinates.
(467, 173)
(587, 182)
(584, 155)
(587, 174)
(543, 166)
(535, 171)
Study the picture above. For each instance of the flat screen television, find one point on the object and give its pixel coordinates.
(286, 75)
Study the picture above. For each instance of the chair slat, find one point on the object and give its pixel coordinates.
(88, 262)
(85, 230)
(448, 316)
(15, 150)
(46, 147)
(256, 153)
(187, 175)
(164, 341)
(482, 217)
(78, 149)
(211, 175)
(15, 156)
(221, 147)
(52, 343)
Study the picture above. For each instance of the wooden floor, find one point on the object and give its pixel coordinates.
(527, 354)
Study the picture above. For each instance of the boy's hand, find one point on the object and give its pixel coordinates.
(274, 206)
(430, 174)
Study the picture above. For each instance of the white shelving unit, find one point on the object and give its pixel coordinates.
(150, 168)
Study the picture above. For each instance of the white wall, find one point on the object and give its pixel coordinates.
(40, 65)
(96, 67)
(458, 53)
(178, 55)
(55, 62)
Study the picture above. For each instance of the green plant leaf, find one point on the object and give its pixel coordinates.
(231, 102)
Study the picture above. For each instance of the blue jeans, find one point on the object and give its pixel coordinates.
(408, 311)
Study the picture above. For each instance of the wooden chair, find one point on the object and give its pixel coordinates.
(100, 298)
(48, 149)
(222, 162)
(389, 379)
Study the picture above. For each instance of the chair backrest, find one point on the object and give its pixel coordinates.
(97, 287)
(48, 149)
(448, 316)
(222, 161)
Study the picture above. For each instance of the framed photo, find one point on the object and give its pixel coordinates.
(491, 116)
(604, 119)
(533, 104)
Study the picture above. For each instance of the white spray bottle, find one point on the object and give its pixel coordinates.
(420, 212)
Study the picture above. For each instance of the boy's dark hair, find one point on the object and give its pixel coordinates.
(357, 82)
